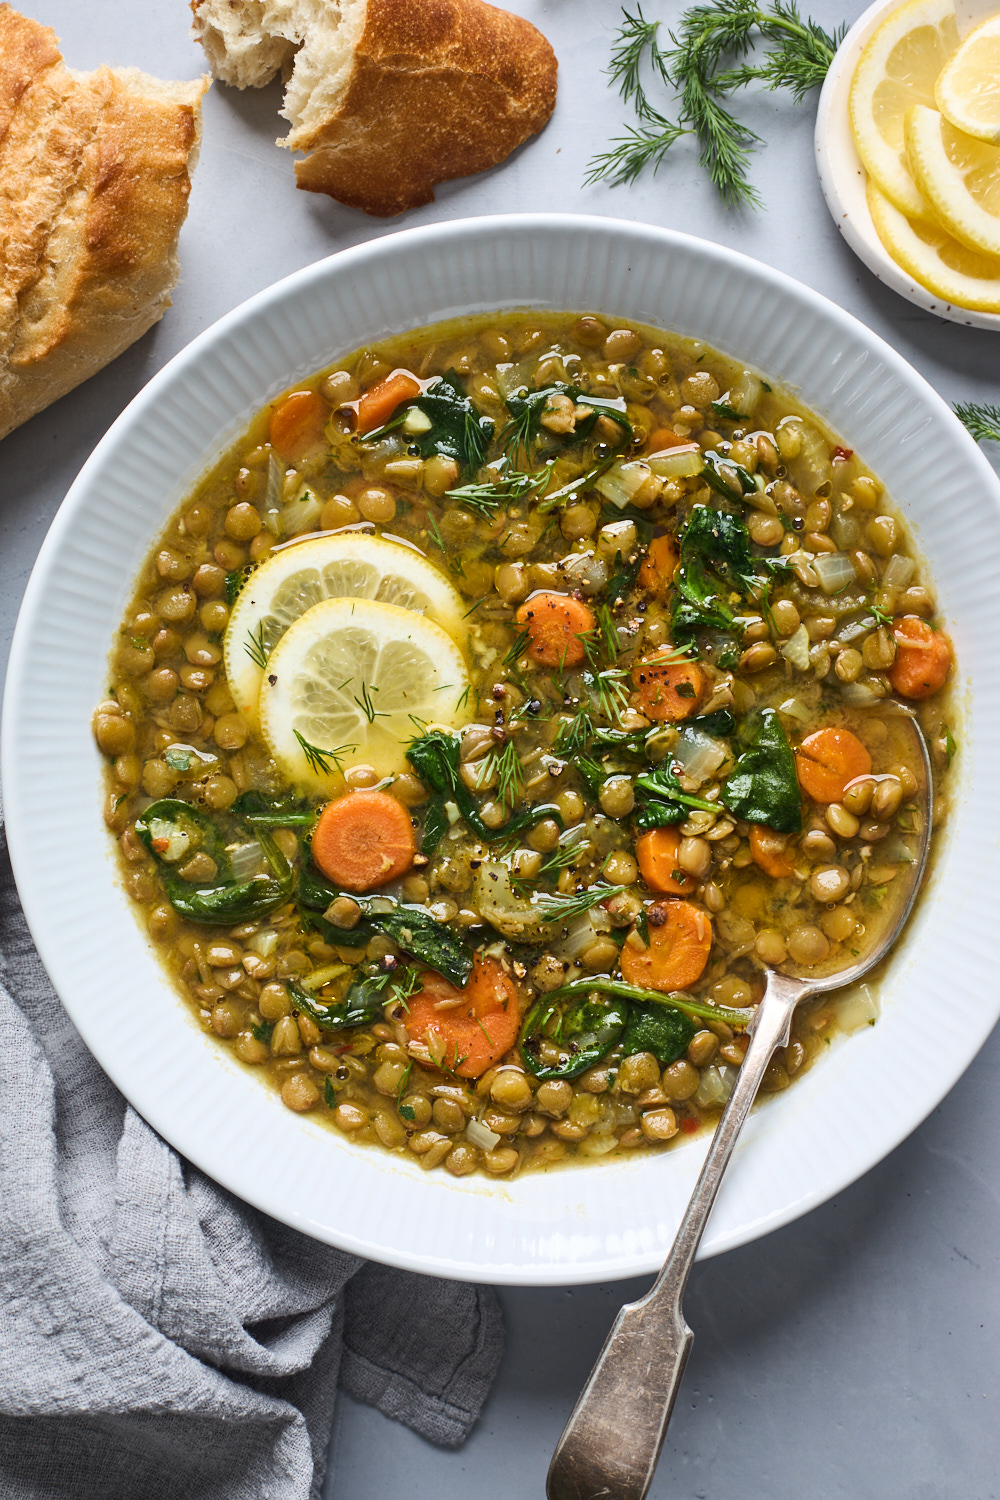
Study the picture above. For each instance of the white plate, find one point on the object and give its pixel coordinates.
(843, 178)
(580, 1224)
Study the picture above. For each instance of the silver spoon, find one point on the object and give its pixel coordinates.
(610, 1445)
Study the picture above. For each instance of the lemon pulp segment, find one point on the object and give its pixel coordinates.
(346, 565)
(959, 176)
(356, 679)
(933, 257)
(968, 89)
(898, 68)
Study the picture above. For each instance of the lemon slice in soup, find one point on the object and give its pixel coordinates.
(345, 684)
(350, 565)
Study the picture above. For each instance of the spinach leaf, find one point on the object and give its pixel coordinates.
(436, 758)
(222, 905)
(258, 811)
(764, 787)
(721, 723)
(716, 564)
(173, 830)
(584, 1029)
(417, 933)
(603, 984)
(428, 941)
(662, 799)
(712, 475)
(361, 1006)
(457, 429)
(526, 408)
(660, 1030)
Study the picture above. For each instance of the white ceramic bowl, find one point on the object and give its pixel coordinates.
(572, 1225)
(844, 180)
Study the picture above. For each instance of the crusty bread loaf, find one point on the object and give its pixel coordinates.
(388, 96)
(94, 182)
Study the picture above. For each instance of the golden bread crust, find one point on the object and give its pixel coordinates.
(438, 90)
(94, 183)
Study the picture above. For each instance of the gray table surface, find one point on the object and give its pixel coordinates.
(853, 1353)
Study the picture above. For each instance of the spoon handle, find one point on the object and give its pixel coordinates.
(609, 1447)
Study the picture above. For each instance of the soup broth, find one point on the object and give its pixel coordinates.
(497, 711)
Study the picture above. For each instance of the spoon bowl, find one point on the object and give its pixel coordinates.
(612, 1441)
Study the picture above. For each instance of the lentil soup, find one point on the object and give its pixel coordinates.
(496, 711)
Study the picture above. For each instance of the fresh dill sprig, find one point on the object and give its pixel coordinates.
(704, 68)
(510, 484)
(982, 421)
(367, 704)
(509, 772)
(320, 760)
(405, 986)
(567, 908)
(517, 650)
(574, 735)
(255, 648)
(607, 631)
(612, 695)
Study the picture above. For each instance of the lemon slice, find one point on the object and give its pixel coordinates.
(898, 68)
(958, 175)
(932, 257)
(352, 565)
(968, 89)
(346, 682)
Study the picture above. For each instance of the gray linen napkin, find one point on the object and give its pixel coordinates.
(158, 1337)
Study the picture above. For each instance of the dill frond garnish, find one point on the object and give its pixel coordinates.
(982, 421)
(704, 68)
(321, 760)
(255, 646)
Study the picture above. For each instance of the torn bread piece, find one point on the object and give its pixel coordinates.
(95, 173)
(389, 97)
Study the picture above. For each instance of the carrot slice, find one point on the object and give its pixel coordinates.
(377, 405)
(665, 437)
(297, 424)
(555, 624)
(659, 566)
(923, 657)
(474, 1026)
(657, 853)
(363, 840)
(668, 687)
(827, 760)
(769, 850)
(680, 940)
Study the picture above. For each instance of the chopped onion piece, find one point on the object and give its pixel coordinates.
(813, 467)
(481, 1135)
(699, 755)
(796, 649)
(716, 1085)
(273, 498)
(858, 695)
(744, 393)
(834, 570)
(794, 708)
(264, 942)
(597, 1145)
(175, 841)
(245, 860)
(845, 532)
(416, 422)
(622, 481)
(301, 514)
(858, 1008)
(677, 463)
(898, 571)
